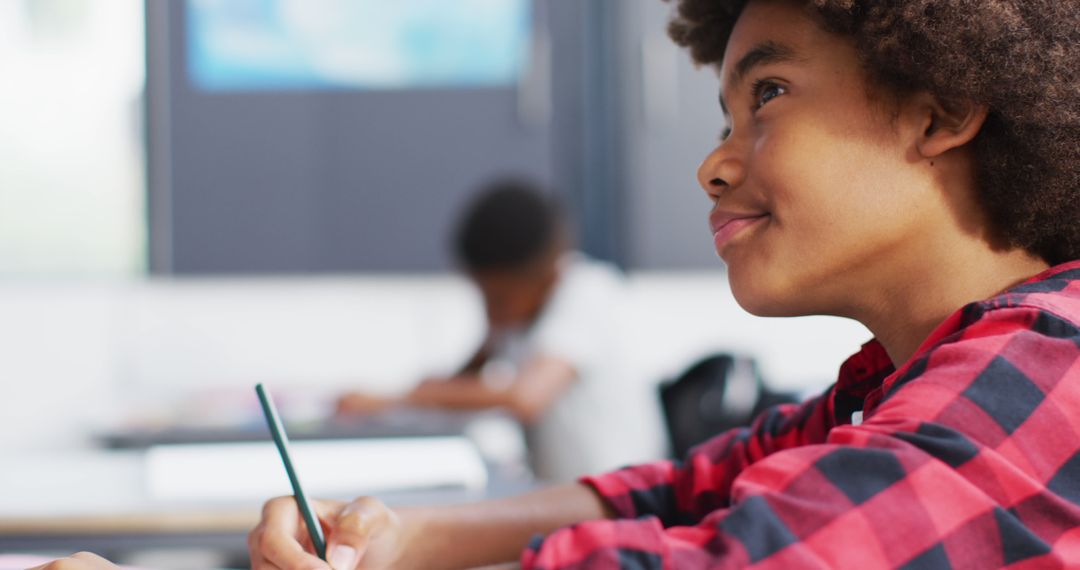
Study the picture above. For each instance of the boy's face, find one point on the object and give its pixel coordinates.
(823, 177)
(513, 298)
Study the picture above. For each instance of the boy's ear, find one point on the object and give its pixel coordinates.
(947, 126)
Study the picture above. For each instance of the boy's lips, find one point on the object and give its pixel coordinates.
(725, 225)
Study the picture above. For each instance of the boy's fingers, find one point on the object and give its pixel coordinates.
(263, 565)
(282, 514)
(78, 561)
(356, 524)
(326, 510)
(275, 542)
(285, 551)
(88, 557)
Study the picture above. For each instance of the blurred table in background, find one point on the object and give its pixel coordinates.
(397, 422)
(190, 488)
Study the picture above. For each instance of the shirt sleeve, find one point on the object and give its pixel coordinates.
(682, 492)
(938, 475)
(818, 506)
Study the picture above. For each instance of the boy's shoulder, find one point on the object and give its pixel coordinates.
(1049, 299)
(1026, 337)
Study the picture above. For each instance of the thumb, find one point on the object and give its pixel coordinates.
(357, 524)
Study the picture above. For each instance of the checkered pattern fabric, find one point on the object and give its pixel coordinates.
(967, 457)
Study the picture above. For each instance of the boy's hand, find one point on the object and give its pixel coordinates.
(354, 403)
(363, 534)
(80, 561)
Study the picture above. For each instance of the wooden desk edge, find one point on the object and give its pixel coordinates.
(133, 523)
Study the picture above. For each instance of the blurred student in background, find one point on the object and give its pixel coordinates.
(550, 353)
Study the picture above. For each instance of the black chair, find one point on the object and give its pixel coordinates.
(715, 394)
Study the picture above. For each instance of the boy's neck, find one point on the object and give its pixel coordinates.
(911, 304)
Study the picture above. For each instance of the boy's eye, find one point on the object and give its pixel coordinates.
(765, 91)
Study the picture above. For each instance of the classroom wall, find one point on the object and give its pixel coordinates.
(628, 119)
(631, 118)
(79, 357)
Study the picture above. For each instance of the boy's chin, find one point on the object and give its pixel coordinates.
(761, 298)
(766, 308)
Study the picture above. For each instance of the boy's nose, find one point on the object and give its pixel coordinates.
(720, 171)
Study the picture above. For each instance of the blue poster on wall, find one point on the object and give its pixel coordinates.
(355, 44)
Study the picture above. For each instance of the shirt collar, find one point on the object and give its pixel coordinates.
(863, 374)
(864, 370)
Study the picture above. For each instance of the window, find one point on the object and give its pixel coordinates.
(355, 44)
(72, 181)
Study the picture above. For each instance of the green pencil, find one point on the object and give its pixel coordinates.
(282, 441)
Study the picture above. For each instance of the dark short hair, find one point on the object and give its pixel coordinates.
(1021, 58)
(509, 224)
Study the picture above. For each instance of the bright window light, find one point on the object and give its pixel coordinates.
(355, 44)
(72, 181)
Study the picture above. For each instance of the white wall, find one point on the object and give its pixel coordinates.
(682, 316)
(57, 361)
(74, 358)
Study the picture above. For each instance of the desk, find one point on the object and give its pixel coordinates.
(397, 422)
(98, 501)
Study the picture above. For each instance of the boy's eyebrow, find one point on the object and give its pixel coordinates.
(764, 53)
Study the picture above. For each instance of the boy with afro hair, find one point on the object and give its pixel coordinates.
(912, 165)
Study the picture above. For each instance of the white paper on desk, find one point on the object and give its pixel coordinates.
(338, 468)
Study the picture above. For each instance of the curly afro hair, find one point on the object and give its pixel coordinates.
(1021, 58)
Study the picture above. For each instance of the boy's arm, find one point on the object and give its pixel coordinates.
(818, 506)
(682, 492)
(363, 402)
(456, 536)
(476, 363)
(449, 535)
(529, 394)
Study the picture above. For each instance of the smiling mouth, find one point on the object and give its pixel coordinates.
(727, 230)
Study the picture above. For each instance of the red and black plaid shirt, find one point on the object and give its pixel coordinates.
(967, 457)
